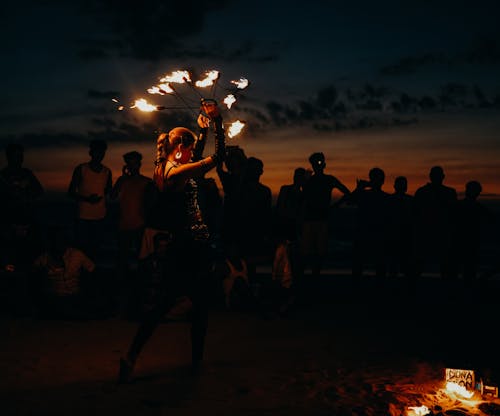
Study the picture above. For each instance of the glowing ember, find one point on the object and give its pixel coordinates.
(114, 100)
(418, 410)
(457, 388)
(229, 100)
(143, 105)
(179, 77)
(120, 108)
(209, 79)
(235, 128)
(161, 89)
(241, 84)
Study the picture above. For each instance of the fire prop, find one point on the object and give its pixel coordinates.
(171, 85)
(460, 387)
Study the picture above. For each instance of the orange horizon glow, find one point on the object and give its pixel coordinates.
(466, 148)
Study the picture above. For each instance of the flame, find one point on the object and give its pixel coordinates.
(210, 77)
(241, 84)
(161, 89)
(179, 77)
(143, 105)
(457, 388)
(235, 128)
(229, 100)
(418, 410)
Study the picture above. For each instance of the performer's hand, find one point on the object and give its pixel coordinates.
(203, 121)
(209, 108)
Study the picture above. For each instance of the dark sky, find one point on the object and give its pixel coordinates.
(395, 84)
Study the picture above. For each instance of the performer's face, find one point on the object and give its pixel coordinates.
(187, 153)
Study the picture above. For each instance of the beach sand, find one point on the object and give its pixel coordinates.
(347, 348)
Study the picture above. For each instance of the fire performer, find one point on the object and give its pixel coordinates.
(189, 249)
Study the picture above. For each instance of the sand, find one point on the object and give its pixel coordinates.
(348, 348)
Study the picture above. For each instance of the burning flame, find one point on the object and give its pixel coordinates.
(229, 100)
(418, 410)
(457, 388)
(120, 107)
(143, 105)
(235, 128)
(161, 89)
(179, 77)
(210, 77)
(241, 84)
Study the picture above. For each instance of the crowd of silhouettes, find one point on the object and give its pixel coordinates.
(59, 271)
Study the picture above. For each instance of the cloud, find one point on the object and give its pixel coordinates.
(332, 109)
(102, 95)
(482, 50)
(151, 29)
(411, 64)
(109, 129)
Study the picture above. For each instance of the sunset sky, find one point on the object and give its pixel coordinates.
(398, 85)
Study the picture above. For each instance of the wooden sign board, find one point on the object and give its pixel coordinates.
(464, 378)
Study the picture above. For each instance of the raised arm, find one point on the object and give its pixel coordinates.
(209, 116)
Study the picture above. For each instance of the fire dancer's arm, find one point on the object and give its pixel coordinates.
(209, 114)
(199, 145)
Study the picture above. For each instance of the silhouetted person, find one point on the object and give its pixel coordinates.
(20, 238)
(317, 204)
(288, 227)
(435, 205)
(20, 243)
(130, 191)
(62, 271)
(231, 180)
(255, 217)
(370, 239)
(471, 218)
(400, 248)
(90, 186)
(289, 207)
(19, 189)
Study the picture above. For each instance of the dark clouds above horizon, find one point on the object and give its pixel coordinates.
(328, 65)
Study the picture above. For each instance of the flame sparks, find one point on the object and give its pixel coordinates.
(229, 100)
(418, 410)
(457, 388)
(210, 77)
(241, 84)
(178, 77)
(143, 105)
(235, 128)
(165, 87)
(161, 89)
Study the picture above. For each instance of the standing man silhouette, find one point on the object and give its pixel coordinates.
(90, 185)
(317, 203)
(435, 209)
